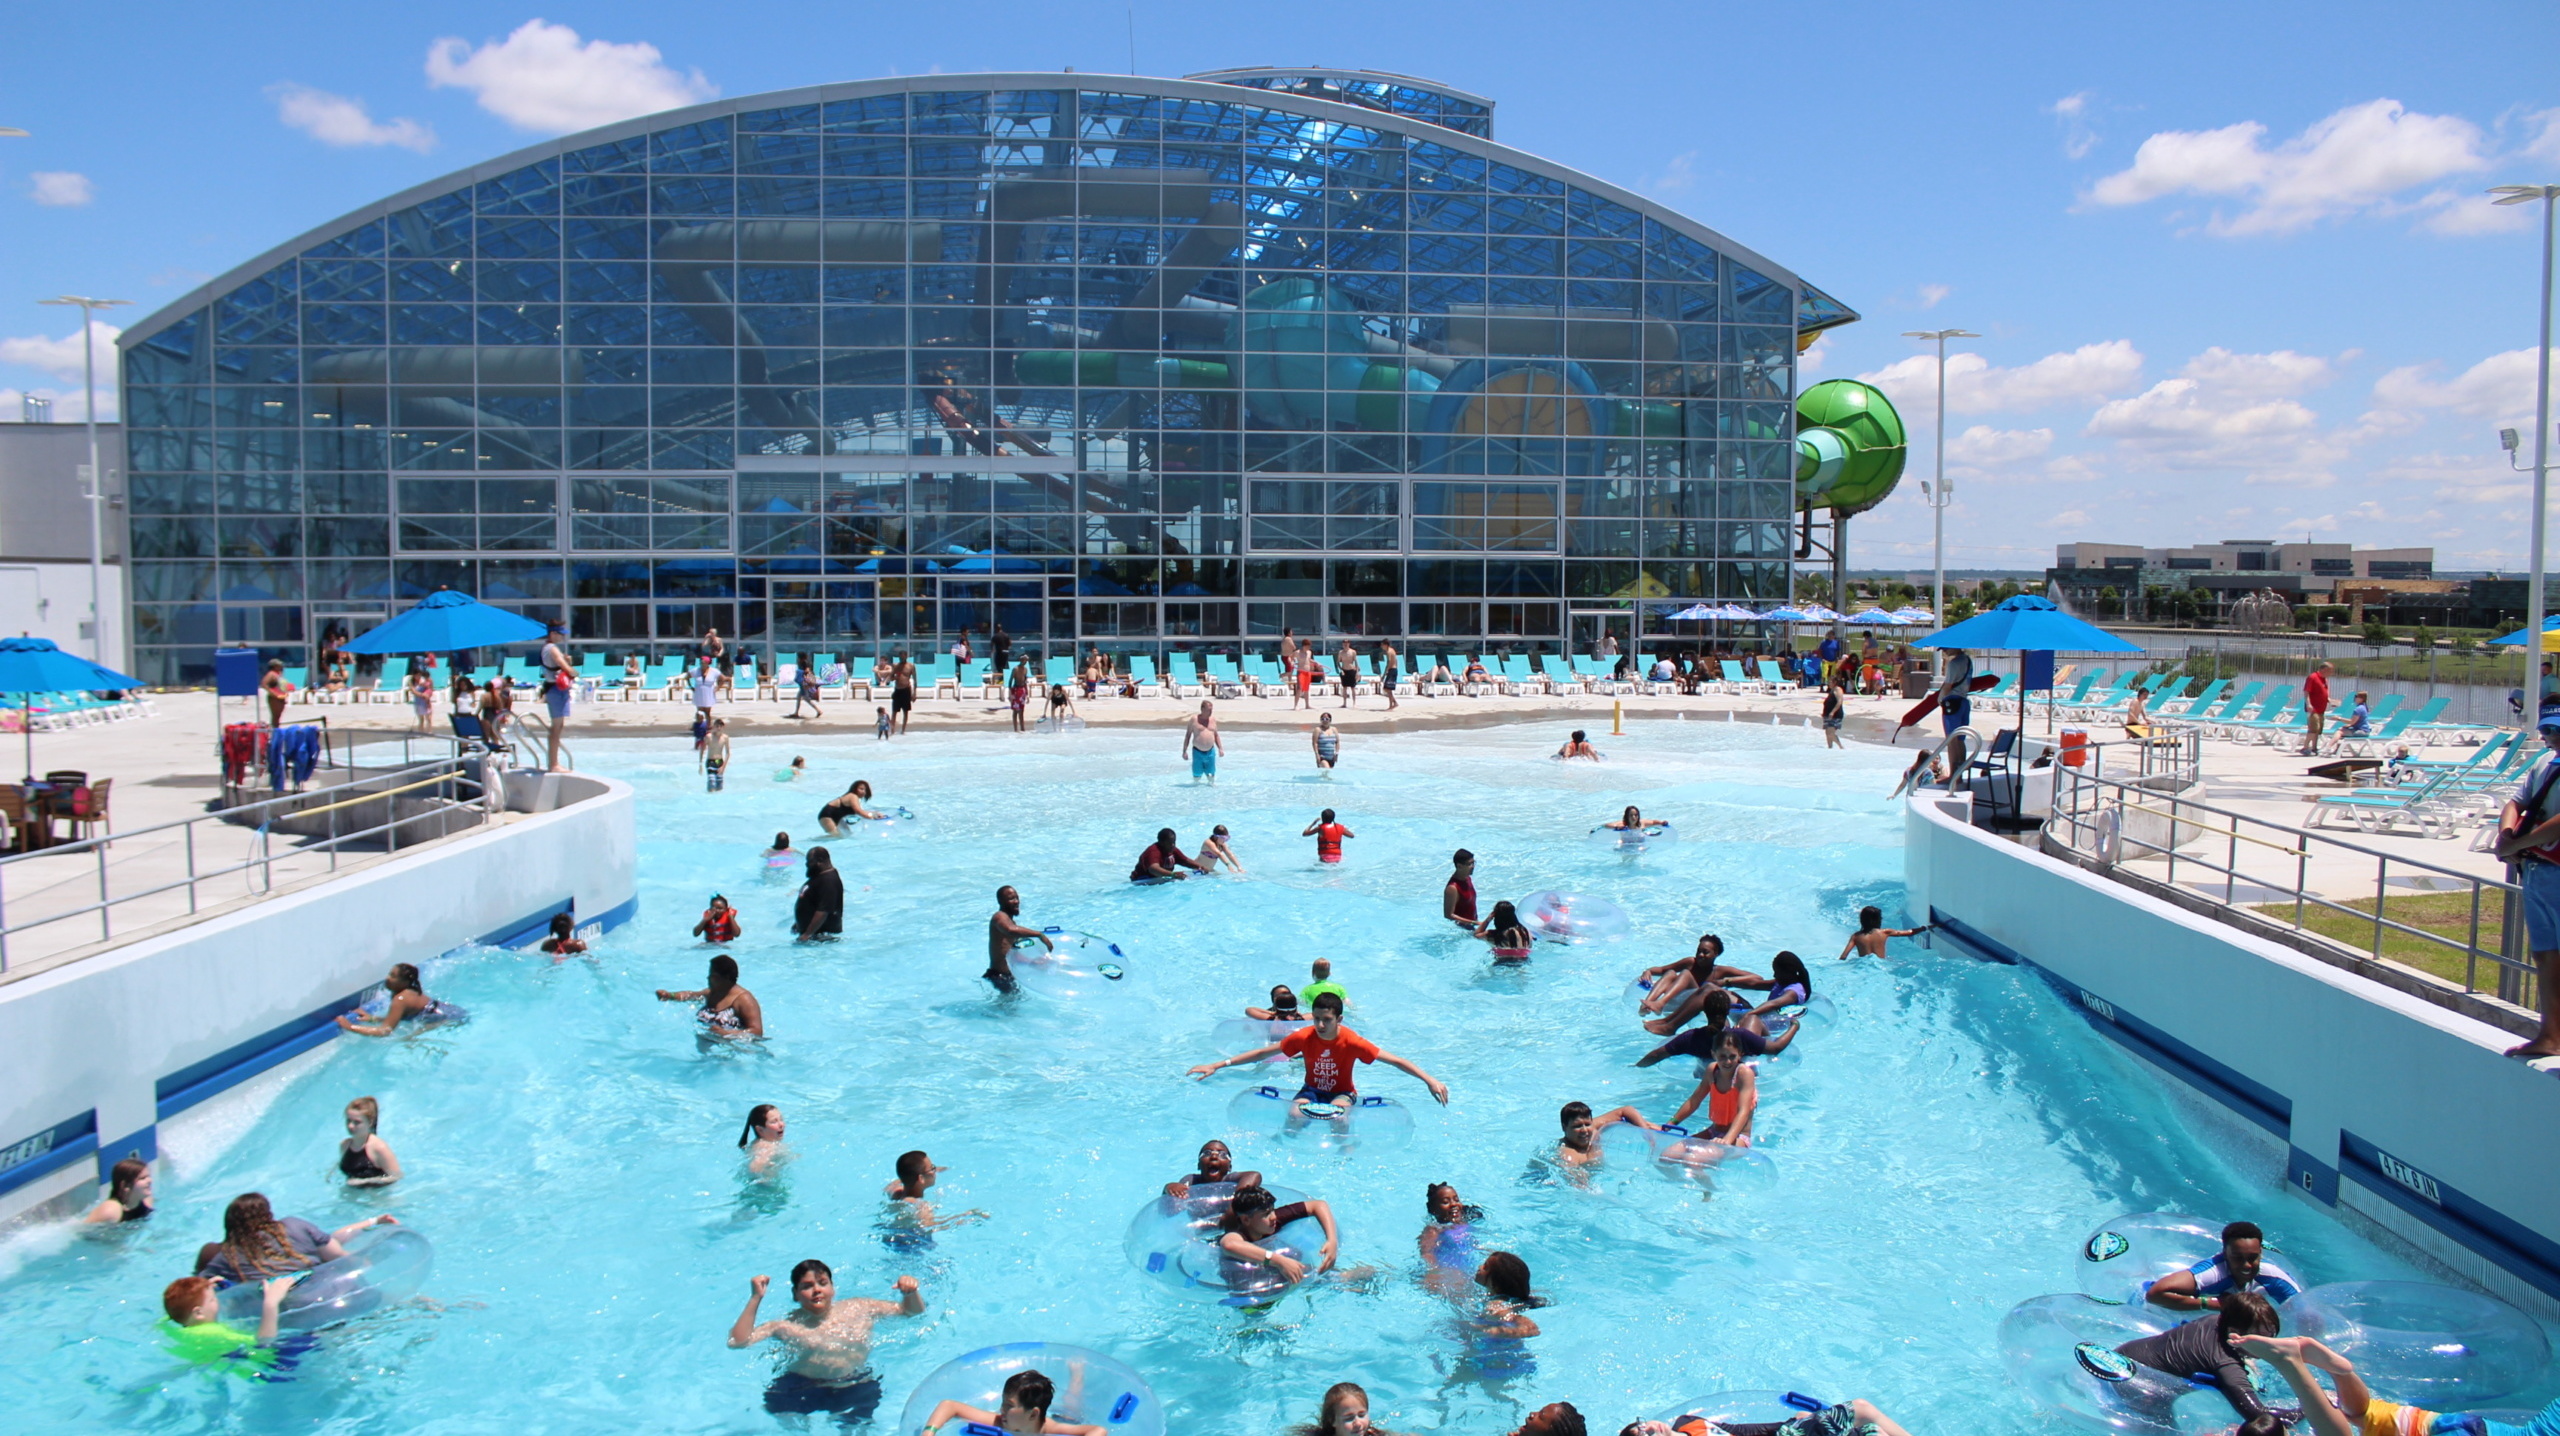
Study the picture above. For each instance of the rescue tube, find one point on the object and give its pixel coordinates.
(1175, 1243)
(1573, 917)
(1092, 1390)
(382, 1266)
(1078, 965)
(1625, 840)
(2439, 1347)
(1360, 1124)
(1732, 1408)
(2061, 1351)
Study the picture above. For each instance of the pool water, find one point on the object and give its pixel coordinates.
(1941, 1148)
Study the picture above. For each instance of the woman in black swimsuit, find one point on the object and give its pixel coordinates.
(364, 1159)
(128, 1194)
(820, 911)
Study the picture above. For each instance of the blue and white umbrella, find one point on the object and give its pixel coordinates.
(1876, 618)
(1694, 613)
(29, 666)
(1784, 615)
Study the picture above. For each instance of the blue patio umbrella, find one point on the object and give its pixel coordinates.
(29, 666)
(2550, 636)
(1694, 613)
(1784, 615)
(2028, 624)
(446, 622)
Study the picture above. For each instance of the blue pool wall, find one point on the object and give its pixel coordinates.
(2380, 1105)
(95, 1054)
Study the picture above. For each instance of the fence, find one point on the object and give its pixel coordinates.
(149, 875)
(2337, 891)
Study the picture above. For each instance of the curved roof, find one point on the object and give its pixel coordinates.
(1406, 95)
(1211, 91)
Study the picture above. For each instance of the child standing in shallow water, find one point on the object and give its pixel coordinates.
(1869, 939)
(1328, 835)
(364, 1159)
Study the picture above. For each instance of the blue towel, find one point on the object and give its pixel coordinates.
(293, 752)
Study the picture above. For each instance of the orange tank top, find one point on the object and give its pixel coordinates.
(1723, 1105)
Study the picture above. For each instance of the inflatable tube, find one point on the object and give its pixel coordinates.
(1728, 1408)
(1818, 1013)
(2439, 1347)
(2120, 1260)
(1162, 1228)
(1686, 1156)
(1093, 1389)
(892, 822)
(1372, 1123)
(1622, 841)
(1243, 1034)
(1080, 964)
(2061, 1351)
(382, 1266)
(1572, 917)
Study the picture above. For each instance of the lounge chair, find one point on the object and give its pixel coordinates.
(1560, 675)
(1142, 671)
(2391, 730)
(2385, 810)
(1184, 677)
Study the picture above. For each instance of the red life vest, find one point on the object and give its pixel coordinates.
(720, 924)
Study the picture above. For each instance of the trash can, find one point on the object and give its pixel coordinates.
(2075, 747)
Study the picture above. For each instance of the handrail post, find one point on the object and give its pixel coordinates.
(2381, 890)
(106, 926)
(191, 869)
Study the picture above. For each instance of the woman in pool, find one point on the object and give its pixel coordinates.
(819, 911)
(1632, 821)
(855, 803)
(1216, 1164)
(1578, 746)
(1345, 1412)
(762, 1140)
(1283, 1008)
(1731, 1093)
(364, 1159)
(1508, 935)
(408, 1001)
(128, 1196)
(1674, 980)
(728, 1010)
(1869, 939)
(1448, 1239)
(256, 1245)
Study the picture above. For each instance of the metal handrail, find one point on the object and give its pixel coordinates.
(442, 771)
(2082, 799)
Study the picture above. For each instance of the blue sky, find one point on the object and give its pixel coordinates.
(2230, 262)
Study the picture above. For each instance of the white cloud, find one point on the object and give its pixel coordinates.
(1982, 446)
(60, 189)
(1930, 294)
(2259, 375)
(2225, 412)
(1812, 361)
(1679, 176)
(544, 78)
(2498, 388)
(61, 357)
(2071, 112)
(2354, 161)
(343, 122)
(1976, 386)
(2068, 519)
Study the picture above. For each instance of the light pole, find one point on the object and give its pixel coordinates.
(2526, 194)
(97, 475)
(1937, 491)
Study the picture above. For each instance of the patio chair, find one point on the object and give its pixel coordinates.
(2384, 811)
(1560, 676)
(2391, 729)
(1142, 671)
(1518, 679)
(1774, 679)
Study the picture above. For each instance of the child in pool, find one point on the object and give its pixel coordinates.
(563, 941)
(364, 1159)
(916, 1176)
(1027, 1398)
(1869, 939)
(792, 773)
(200, 1335)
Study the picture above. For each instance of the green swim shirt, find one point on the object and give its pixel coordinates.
(208, 1342)
(1313, 990)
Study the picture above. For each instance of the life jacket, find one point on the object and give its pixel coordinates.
(720, 924)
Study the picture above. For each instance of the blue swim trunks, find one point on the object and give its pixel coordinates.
(1204, 762)
(2541, 882)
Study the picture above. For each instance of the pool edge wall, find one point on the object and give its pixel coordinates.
(2399, 1115)
(100, 1051)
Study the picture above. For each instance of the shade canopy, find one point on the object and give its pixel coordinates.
(1694, 613)
(2550, 636)
(1876, 618)
(2029, 624)
(445, 622)
(1784, 615)
(1915, 614)
(35, 665)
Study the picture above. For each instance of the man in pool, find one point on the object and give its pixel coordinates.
(2200, 1352)
(1330, 1050)
(1164, 861)
(1003, 931)
(1580, 1145)
(1870, 938)
(1216, 1164)
(1202, 745)
(829, 1341)
(2241, 1265)
(1749, 1033)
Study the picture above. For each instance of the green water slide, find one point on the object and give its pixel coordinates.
(1849, 447)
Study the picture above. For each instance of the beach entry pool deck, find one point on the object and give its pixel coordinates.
(1941, 1148)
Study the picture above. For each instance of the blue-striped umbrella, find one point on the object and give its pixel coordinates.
(29, 666)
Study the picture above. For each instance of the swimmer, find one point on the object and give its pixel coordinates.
(408, 1001)
(1345, 1412)
(1203, 745)
(1632, 821)
(1704, 992)
(1869, 939)
(762, 1140)
(1330, 1050)
(128, 1197)
(719, 922)
(1458, 894)
(781, 849)
(1003, 931)
(1578, 746)
(563, 941)
(2355, 1409)
(1705, 963)
(1220, 849)
(793, 774)
(2240, 1266)
(1216, 1164)
(194, 1307)
(1789, 985)
(1327, 740)
(916, 1176)
(1731, 1092)
(1254, 1215)
(1328, 835)
(1164, 861)
(1320, 981)
(1558, 1418)
(715, 757)
(728, 1010)
(1446, 1235)
(855, 803)
(2200, 1351)
(1848, 1418)
(1027, 1397)
(1283, 1008)
(1580, 1145)
(1505, 1279)
(256, 1245)
(364, 1159)
(829, 1341)
(1508, 935)
(1750, 1033)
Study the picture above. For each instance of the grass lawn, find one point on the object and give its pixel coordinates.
(2447, 915)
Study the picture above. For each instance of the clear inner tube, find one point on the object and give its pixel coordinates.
(1071, 964)
(1093, 1389)
(1173, 1242)
(1573, 917)
(1358, 1124)
(2440, 1347)
(383, 1265)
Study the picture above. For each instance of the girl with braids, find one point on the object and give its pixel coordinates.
(255, 1245)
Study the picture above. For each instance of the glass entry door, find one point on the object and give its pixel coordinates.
(1591, 626)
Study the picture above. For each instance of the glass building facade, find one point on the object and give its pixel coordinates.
(1162, 365)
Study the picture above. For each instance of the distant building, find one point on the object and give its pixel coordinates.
(2318, 565)
(44, 534)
